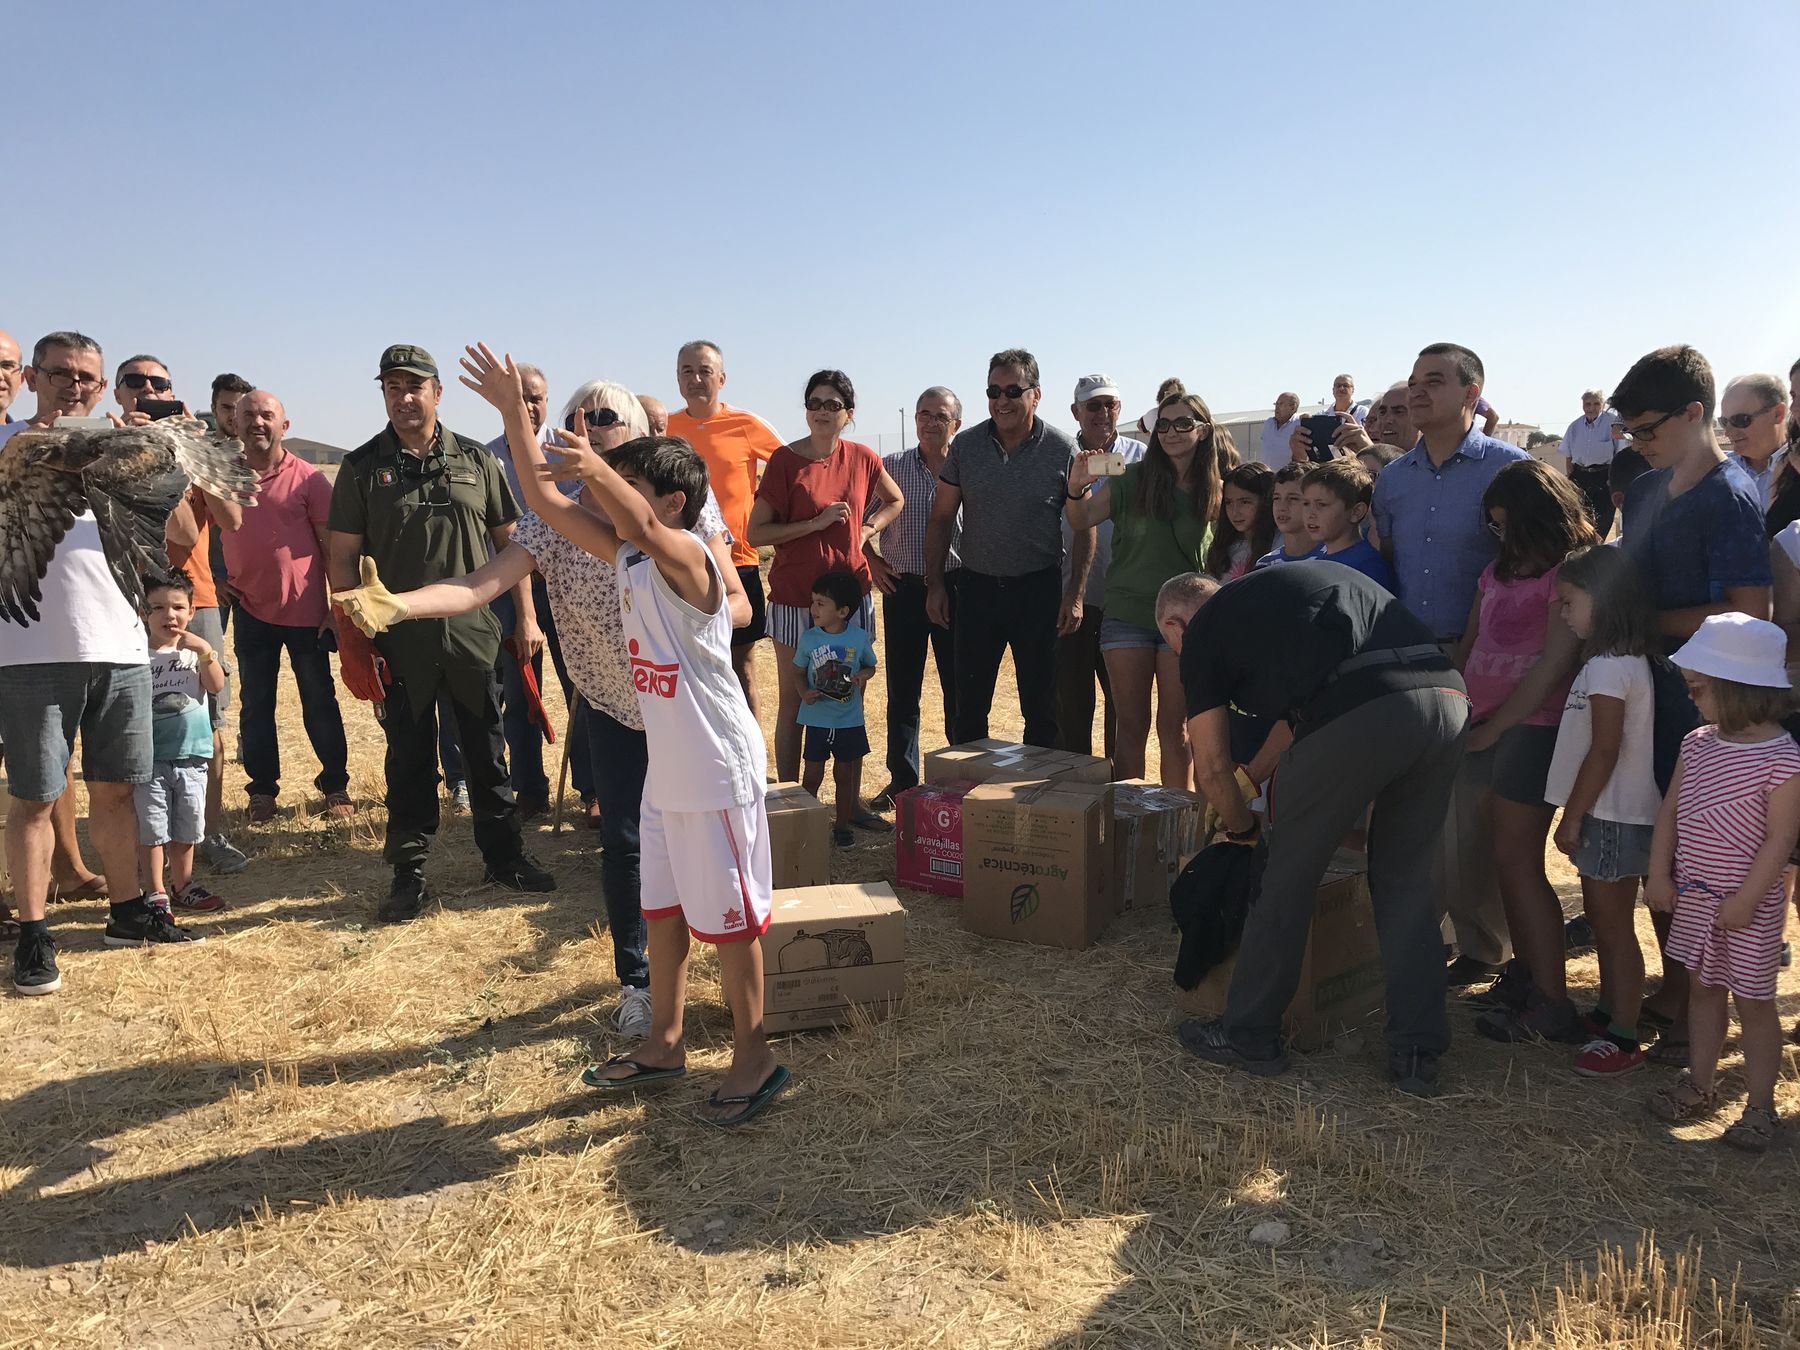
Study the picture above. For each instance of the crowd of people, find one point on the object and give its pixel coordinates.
(1386, 620)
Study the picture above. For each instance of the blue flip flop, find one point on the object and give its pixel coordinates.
(772, 1087)
(645, 1074)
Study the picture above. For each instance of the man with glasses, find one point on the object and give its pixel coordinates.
(84, 668)
(1428, 516)
(732, 442)
(425, 504)
(1588, 448)
(12, 374)
(1009, 477)
(1695, 527)
(145, 380)
(899, 574)
(1754, 409)
(1086, 556)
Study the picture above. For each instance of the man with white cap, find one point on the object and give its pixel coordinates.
(1086, 556)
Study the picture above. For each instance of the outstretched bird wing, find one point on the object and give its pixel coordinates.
(132, 478)
(38, 504)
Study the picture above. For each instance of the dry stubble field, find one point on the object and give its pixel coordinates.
(316, 1131)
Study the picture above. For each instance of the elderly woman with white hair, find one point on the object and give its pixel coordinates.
(584, 600)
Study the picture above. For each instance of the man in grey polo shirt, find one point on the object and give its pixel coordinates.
(1079, 661)
(1009, 476)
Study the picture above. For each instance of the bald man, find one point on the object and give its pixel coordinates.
(658, 415)
(12, 373)
(277, 566)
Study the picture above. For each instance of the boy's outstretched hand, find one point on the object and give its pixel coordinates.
(569, 454)
(496, 380)
(371, 606)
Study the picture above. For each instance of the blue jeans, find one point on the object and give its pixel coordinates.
(622, 756)
(259, 649)
(524, 742)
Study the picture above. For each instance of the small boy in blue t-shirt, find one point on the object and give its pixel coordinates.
(1286, 504)
(1336, 503)
(839, 659)
(171, 807)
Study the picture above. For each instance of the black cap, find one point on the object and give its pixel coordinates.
(404, 356)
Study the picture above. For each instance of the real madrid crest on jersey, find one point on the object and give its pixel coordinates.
(386, 477)
(625, 598)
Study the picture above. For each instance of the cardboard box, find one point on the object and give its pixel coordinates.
(1158, 831)
(799, 837)
(831, 948)
(1342, 979)
(928, 837)
(991, 761)
(1038, 861)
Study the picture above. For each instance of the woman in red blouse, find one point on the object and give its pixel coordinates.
(813, 507)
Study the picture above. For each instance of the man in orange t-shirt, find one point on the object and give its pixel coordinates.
(141, 379)
(732, 442)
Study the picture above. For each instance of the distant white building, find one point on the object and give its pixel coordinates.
(315, 452)
(1516, 433)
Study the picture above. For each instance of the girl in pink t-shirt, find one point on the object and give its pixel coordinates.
(1518, 658)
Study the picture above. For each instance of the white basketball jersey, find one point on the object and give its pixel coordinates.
(706, 750)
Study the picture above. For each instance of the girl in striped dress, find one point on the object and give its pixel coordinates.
(1717, 861)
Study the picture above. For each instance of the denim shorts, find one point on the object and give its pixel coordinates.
(42, 707)
(1116, 634)
(1611, 852)
(1521, 764)
(171, 807)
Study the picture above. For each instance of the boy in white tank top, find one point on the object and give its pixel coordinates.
(703, 832)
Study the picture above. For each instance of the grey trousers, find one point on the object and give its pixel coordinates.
(1463, 871)
(1399, 754)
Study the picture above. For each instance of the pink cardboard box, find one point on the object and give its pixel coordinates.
(928, 842)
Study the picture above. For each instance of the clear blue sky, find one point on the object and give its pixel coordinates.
(1252, 196)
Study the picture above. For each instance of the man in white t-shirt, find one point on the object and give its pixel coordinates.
(1273, 442)
(85, 664)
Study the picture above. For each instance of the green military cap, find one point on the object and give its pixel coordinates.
(404, 356)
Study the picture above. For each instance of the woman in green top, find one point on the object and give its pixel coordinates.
(1162, 512)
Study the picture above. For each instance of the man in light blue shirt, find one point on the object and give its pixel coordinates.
(1429, 518)
(1273, 441)
(1588, 448)
(1754, 409)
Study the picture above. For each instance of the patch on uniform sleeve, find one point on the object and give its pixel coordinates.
(386, 477)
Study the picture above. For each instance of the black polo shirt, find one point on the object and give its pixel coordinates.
(1272, 641)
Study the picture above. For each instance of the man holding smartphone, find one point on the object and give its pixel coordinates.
(146, 394)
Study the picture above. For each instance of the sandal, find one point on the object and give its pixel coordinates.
(1671, 1047)
(773, 1086)
(1754, 1131)
(94, 888)
(1681, 1102)
(641, 1075)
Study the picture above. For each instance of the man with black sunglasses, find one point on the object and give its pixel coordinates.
(425, 505)
(1009, 477)
(146, 393)
(1754, 410)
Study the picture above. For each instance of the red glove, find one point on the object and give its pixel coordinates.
(534, 701)
(360, 665)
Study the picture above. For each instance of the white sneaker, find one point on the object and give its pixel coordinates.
(459, 799)
(632, 1016)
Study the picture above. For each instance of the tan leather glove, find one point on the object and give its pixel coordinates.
(371, 606)
(1247, 788)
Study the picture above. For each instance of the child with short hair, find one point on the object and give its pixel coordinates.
(839, 660)
(1285, 506)
(171, 807)
(703, 829)
(1717, 863)
(1602, 775)
(1246, 526)
(1335, 498)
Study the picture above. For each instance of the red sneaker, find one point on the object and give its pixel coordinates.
(196, 899)
(1605, 1058)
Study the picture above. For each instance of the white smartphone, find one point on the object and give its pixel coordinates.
(1107, 466)
(81, 423)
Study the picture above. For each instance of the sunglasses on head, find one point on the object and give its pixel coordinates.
(1009, 390)
(1741, 420)
(831, 405)
(1182, 424)
(137, 379)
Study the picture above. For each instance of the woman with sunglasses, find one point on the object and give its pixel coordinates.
(813, 508)
(1162, 509)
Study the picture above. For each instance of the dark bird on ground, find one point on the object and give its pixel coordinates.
(131, 478)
